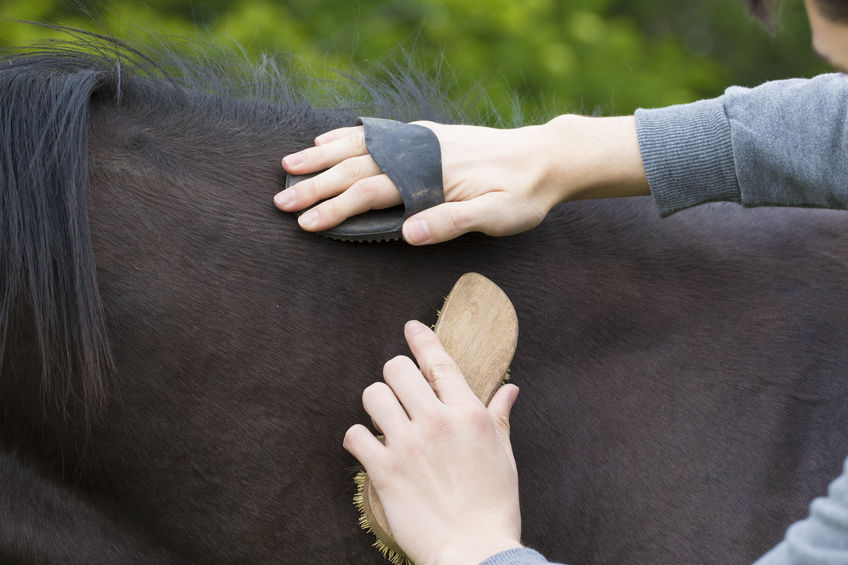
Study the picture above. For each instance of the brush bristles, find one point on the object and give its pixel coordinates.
(392, 556)
(359, 501)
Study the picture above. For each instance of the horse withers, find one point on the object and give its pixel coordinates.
(181, 361)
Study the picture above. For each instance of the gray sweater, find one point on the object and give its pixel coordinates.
(784, 143)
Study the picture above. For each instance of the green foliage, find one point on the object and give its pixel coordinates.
(526, 60)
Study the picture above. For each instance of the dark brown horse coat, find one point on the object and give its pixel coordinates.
(683, 381)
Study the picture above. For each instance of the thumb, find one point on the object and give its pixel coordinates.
(500, 407)
(493, 213)
(488, 213)
(440, 223)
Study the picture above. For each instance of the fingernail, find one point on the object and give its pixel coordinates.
(308, 219)
(414, 327)
(294, 159)
(285, 198)
(416, 231)
(322, 138)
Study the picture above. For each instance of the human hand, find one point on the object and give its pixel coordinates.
(497, 181)
(445, 473)
(489, 180)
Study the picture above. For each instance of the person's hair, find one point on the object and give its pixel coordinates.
(836, 10)
(762, 9)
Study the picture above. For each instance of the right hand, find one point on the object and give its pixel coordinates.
(445, 473)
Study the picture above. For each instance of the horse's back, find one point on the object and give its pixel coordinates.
(682, 379)
(682, 385)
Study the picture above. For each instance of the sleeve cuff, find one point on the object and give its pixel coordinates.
(687, 154)
(518, 556)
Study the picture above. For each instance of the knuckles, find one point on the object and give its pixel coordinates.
(478, 419)
(351, 168)
(313, 188)
(331, 209)
(317, 154)
(459, 220)
(366, 190)
(441, 368)
(437, 426)
(357, 143)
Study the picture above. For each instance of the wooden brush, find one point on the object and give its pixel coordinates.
(479, 329)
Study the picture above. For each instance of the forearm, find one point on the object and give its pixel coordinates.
(594, 158)
(783, 143)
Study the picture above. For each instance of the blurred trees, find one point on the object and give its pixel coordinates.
(533, 58)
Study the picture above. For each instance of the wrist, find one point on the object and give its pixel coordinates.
(594, 158)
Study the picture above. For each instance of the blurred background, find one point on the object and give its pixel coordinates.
(526, 60)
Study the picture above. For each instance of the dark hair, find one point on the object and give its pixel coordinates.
(48, 276)
(836, 10)
(762, 9)
(46, 256)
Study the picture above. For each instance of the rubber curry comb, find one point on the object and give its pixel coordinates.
(479, 329)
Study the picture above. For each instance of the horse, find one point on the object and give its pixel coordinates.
(180, 361)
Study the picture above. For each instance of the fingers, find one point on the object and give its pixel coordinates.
(337, 133)
(329, 153)
(405, 395)
(372, 193)
(381, 404)
(500, 407)
(437, 366)
(326, 184)
(410, 387)
(353, 183)
(329, 183)
(362, 444)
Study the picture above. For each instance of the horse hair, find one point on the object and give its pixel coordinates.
(46, 93)
(683, 378)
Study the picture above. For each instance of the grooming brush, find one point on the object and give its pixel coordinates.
(478, 328)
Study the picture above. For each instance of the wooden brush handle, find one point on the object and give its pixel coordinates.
(478, 328)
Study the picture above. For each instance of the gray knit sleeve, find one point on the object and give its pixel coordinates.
(520, 556)
(821, 539)
(784, 143)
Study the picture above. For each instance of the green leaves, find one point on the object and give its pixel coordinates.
(529, 60)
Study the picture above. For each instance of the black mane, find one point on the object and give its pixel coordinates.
(46, 95)
(46, 249)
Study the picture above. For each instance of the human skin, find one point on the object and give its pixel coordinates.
(448, 502)
(830, 39)
(498, 182)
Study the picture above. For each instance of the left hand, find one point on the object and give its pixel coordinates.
(495, 181)
(445, 473)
